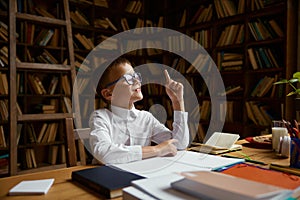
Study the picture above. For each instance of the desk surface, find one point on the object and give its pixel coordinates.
(267, 156)
(64, 188)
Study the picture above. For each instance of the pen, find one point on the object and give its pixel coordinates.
(246, 159)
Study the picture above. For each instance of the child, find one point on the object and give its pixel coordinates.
(121, 133)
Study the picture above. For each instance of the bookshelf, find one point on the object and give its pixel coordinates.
(251, 43)
(41, 75)
(52, 47)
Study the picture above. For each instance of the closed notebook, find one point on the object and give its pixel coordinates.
(32, 187)
(262, 175)
(106, 180)
(215, 185)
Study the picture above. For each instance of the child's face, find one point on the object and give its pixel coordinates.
(123, 94)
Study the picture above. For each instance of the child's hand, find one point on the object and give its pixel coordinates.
(174, 89)
(166, 148)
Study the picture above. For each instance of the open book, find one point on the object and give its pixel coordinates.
(219, 143)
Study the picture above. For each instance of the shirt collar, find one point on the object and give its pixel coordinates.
(124, 113)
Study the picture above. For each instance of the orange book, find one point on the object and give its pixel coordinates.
(262, 175)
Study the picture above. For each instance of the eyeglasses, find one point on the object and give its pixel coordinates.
(129, 79)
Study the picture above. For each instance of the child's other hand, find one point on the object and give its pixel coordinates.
(174, 89)
(166, 148)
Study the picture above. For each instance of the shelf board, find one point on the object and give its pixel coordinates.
(40, 19)
(43, 66)
(46, 167)
(34, 117)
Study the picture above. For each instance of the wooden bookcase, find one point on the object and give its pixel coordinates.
(247, 26)
(99, 21)
(41, 74)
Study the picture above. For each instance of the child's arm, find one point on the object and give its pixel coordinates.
(174, 90)
(163, 149)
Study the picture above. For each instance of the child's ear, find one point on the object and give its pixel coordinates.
(106, 93)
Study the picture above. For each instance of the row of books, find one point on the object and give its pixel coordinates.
(264, 86)
(203, 14)
(229, 61)
(229, 8)
(57, 154)
(86, 42)
(134, 6)
(265, 29)
(4, 31)
(203, 37)
(4, 57)
(47, 133)
(30, 7)
(258, 113)
(263, 57)
(79, 17)
(37, 35)
(260, 4)
(30, 160)
(233, 34)
(202, 63)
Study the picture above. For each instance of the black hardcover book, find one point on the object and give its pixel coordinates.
(106, 180)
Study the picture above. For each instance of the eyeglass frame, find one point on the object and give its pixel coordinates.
(135, 75)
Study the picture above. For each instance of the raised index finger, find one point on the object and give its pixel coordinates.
(168, 79)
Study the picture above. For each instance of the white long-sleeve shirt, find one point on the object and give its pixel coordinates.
(117, 135)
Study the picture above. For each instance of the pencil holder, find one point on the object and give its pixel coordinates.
(295, 153)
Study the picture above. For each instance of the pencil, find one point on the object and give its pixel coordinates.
(285, 169)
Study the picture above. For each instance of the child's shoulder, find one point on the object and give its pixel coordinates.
(101, 112)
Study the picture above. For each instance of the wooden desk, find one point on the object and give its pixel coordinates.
(63, 187)
(267, 156)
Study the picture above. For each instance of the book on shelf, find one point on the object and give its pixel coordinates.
(124, 24)
(101, 3)
(2, 137)
(257, 113)
(43, 12)
(106, 180)
(53, 154)
(183, 18)
(4, 109)
(42, 132)
(68, 105)
(134, 6)
(205, 110)
(232, 90)
(263, 86)
(86, 42)
(48, 133)
(3, 83)
(66, 84)
(111, 24)
(53, 85)
(30, 160)
(215, 185)
(35, 84)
